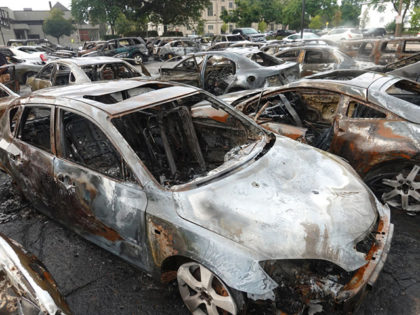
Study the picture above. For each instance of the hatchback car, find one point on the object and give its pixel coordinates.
(186, 188)
(221, 72)
(81, 70)
(371, 120)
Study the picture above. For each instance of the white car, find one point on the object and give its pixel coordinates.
(306, 35)
(343, 33)
(29, 52)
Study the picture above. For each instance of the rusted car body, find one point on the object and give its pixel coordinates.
(408, 67)
(198, 193)
(26, 286)
(221, 72)
(81, 70)
(371, 120)
(387, 50)
(315, 59)
(90, 46)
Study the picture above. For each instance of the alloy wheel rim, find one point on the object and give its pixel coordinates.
(203, 292)
(405, 192)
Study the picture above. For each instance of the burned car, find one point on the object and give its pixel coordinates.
(197, 193)
(316, 59)
(371, 120)
(81, 70)
(178, 48)
(222, 72)
(26, 286)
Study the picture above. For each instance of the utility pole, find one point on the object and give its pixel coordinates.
(302, 20)
(399, 20)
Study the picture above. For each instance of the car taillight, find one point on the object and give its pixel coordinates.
(43, 58)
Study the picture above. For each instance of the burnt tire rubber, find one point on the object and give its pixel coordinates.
(204, 293)
(397, 184)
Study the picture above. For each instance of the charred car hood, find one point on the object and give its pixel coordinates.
(295, 202)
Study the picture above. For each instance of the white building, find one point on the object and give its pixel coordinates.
(371, 17)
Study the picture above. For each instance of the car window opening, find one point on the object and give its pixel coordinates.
(406, 90)
(181, 140)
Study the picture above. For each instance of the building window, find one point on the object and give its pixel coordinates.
(210, 27)
(230, 28)
(223, 8)
(230, 5)
(210, 10)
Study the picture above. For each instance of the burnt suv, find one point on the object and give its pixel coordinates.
(249, 34)
(132, 49)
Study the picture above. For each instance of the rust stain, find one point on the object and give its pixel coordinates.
(161, 242)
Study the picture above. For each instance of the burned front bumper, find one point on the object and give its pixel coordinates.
(303, 283)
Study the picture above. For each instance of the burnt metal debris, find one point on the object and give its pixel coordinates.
(369, 119)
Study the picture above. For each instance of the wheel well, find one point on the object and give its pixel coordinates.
(170, 266)
(387, 164)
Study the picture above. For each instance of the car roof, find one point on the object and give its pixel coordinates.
(369, 86)
(83, 61)
(85, 93)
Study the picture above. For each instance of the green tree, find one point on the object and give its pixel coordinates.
(316, 22)
(97, 11)
(406, 5)
(415, 19)
(337, 18)
(350, 12)
(262, 26)
(250, 11)
(224, 28)
(56, 25)
(124, 26)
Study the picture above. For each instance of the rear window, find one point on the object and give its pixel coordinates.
(412, 46)
(110, 71)
(406, 90)
(390, 47)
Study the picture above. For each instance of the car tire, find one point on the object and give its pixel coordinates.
(397, 184)
(204, 293)
(138, 59)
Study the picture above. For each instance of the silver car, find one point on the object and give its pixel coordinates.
(221, 72)
(198, 194)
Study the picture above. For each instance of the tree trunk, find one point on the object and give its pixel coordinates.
(58, 40)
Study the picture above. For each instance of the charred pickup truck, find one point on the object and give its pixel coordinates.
(221, 72)
(185, 187)
(372, 120)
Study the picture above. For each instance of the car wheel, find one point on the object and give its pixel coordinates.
(138, 59)
(397, 185)
(204, 293)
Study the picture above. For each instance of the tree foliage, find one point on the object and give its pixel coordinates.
(176, 12)
(250, 11)
(56, 25)
(350, 12)
(316, 22)
(415, 19)
(406, 5)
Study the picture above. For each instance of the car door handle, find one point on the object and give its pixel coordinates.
(14, 157)
(66, 182)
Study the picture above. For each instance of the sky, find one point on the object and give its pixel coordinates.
(34, 4)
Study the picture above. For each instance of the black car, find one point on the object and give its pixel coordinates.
(249, 34)
(374, 32)
(284, 33)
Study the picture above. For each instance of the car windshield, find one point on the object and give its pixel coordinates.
(187, 138)
(249, 31)
(110, 71)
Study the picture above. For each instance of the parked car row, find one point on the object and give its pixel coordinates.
(226, 172)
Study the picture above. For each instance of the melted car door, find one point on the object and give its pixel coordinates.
(187, 71)
(357, 128)
(44, 78)
(98, 195)
(31, 157)
(316, 61)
